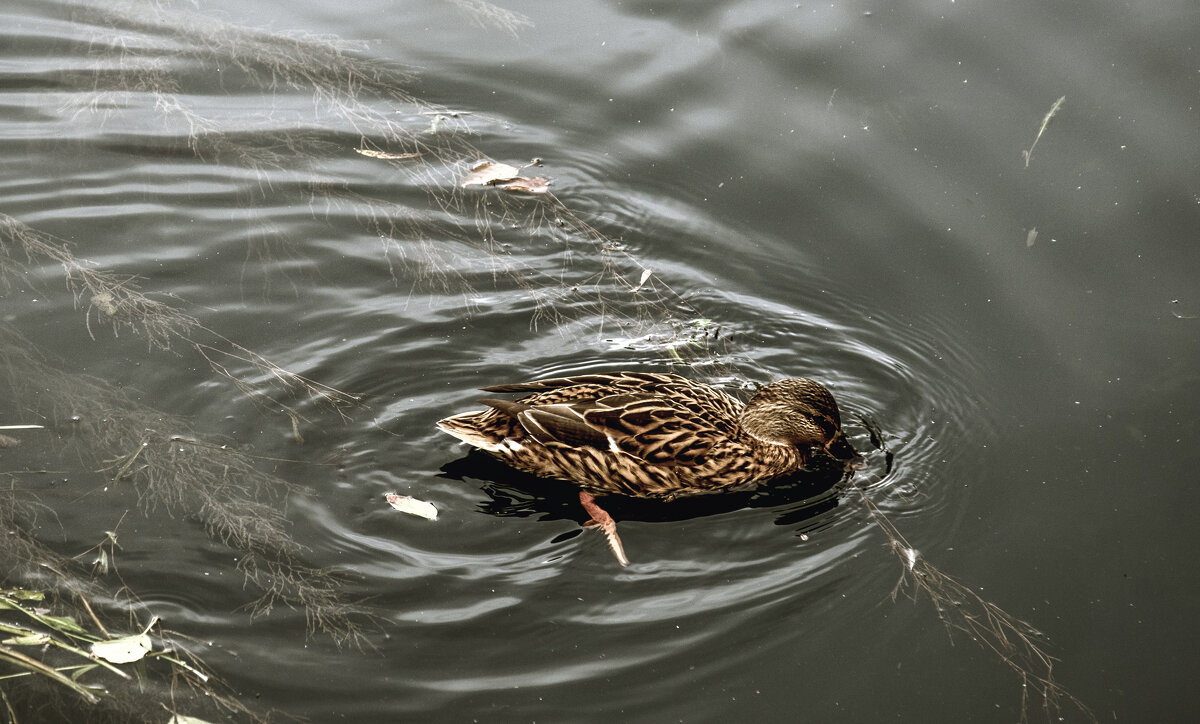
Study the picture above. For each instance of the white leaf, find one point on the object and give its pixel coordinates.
(123, 650)
(412, 506)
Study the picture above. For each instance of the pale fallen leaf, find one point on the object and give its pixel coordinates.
(535, 185)
(645, 275)
(489, 173)
(1031, 237)
(123, 650)
(412, 506)
(372, 153)
(183, 719)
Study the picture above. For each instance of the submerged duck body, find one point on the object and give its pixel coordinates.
(651, 435)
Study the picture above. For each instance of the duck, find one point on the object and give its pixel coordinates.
(653, 435)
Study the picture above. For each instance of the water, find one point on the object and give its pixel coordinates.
(830, 190)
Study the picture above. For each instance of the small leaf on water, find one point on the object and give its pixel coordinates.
(1031, 237)
(62, 623)
(372, 153)
(645, 275)
(535, 185)
(183, 719)
(489, 173)
(123, 650)
(412, 506)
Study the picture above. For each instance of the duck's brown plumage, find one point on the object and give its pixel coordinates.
(654, 435)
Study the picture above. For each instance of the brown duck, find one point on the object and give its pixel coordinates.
(653, 435)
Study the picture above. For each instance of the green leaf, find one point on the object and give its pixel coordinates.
(30, 639)
(123, 650)
(62, 623)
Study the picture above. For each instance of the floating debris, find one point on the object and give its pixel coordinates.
(535, 185)
(372, 153)
(507, 177)
(1031, 237)
(1179, 315)
(642, 282)
(412, 506)
(127, 649)
(489, 173)
(1027, 153)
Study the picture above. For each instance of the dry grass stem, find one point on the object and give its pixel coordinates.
(1017, 644)
(1028, 153)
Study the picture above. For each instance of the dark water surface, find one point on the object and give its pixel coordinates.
(832, 190)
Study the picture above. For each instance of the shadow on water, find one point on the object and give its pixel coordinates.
(512, 493)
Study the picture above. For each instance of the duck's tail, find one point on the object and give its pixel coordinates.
(467, 427)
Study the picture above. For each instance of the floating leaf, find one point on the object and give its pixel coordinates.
(123, 650)
(489, 173)
(645, 276)
(372, 153)
(60, 623)
(535, 185)
(183, 719)
(412, 506)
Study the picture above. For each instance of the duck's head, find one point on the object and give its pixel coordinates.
(798, 412)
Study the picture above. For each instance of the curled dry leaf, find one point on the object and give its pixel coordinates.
(412, 506)
(490, 173)
(535, 185)
(372, 153)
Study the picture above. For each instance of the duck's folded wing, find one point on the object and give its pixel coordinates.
(560, 423)
(652, 428)
(645, 426)
(611, 381)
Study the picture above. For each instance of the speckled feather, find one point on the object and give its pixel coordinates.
(653, 435)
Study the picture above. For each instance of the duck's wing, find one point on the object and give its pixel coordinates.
(602, 382)
(657, 430)
(691, 398)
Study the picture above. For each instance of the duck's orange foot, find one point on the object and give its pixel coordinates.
(606, 524)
